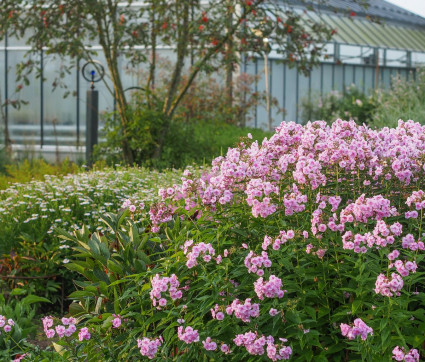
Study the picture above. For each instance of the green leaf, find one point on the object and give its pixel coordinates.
(81, 294)
(356, 305)
(76, 309)
(31, 299)
(18, 291)
(114, 267)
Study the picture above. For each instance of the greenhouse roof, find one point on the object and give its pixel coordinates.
(400, 29)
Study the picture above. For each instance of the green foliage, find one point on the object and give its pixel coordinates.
(201, 142)
(404, 99)
(352, 104)
(22, 312)
(381, 108)
(144, 128)
(31, 256)
(34, 169)
(185, 143)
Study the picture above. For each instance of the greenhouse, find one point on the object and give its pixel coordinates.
(364, 53)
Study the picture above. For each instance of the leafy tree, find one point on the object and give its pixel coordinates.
(206, 35)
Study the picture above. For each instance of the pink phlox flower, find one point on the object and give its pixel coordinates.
(188, 334)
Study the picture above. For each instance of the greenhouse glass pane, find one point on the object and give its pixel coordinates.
(396, 58)
(24, 122)
(350, 54)
(60, 121)
(418, 59)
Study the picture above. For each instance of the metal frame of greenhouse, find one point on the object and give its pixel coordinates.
(362, 53)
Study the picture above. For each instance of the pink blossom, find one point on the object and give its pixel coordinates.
(270, 289)
(84, 334)
(273, 312)
(148, 347)
(188, 334)
(209, 345)
(359, 328)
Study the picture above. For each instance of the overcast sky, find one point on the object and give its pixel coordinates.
(415, 6)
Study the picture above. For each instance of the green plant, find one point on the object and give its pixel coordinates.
(21, 313)
(33, 169)
(405, 98)
(197, 141)
(352, 104)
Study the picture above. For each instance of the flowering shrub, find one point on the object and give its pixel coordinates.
(343, 262)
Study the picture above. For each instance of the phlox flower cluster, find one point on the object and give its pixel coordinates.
(308, 170)
(131, 205)
(188, 334)
(294, 201)
(254, 262)
(334, 201)
(399, 354)
(209, 344)
(278, 352)
(404, 267)
(255, 346)
(417, 198)
(381, 237)
(320, 222)
(256, 188)
(149, 347)
(160, 213)
(388, 287)
(359, 328)
(84, 334)
(168, 192)
(409, 242)
(363, 209)
(116, 322)
(161, 285)
(67, 328)
(6, 324)
(244, 311)
(320, 253)
(193, 251)
(283, 237)
(270, 289)
(216, 314)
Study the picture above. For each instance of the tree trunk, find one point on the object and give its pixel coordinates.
(229, 62)
(182, 48)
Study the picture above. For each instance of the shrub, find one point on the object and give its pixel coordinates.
(308, 246)
(380, 108)
(186, 142)
(206, 122)
(404, 97)
(352, 104)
